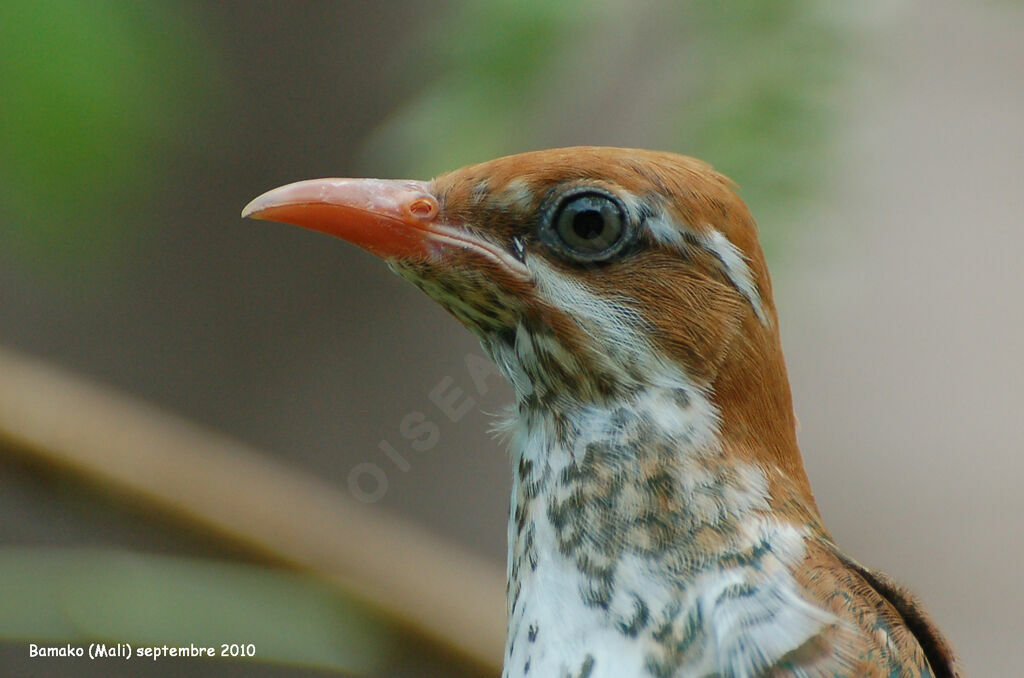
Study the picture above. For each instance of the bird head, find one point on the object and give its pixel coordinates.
(587, 273)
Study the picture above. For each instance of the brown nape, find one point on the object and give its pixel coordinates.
(704, 324)
(753, 395)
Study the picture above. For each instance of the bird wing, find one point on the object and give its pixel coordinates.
(884, 628)
(936, 648)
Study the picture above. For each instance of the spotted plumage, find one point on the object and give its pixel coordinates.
(661, 521)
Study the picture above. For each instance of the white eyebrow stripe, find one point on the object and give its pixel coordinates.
(730, 259)
(734, 264)
(666, 232)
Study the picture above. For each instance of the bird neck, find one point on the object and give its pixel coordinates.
(757, 422)
(636, 488)
(616, 505)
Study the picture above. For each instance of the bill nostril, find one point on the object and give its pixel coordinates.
(424, 208)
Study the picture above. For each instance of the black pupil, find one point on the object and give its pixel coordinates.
(588, 224)
(587, 227)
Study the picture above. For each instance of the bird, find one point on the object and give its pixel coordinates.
(661, 521)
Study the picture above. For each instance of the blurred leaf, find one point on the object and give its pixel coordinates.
(88, 92)
(764, 109)
(114, 596)
(479, 86)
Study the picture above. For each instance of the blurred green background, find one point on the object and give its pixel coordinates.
(880, 147)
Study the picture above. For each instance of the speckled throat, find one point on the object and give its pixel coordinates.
(636, 546)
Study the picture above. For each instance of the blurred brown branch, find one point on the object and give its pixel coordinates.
(437, 588)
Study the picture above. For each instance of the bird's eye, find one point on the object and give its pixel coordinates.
(586, 225)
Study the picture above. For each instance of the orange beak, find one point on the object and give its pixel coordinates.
(390, 218)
